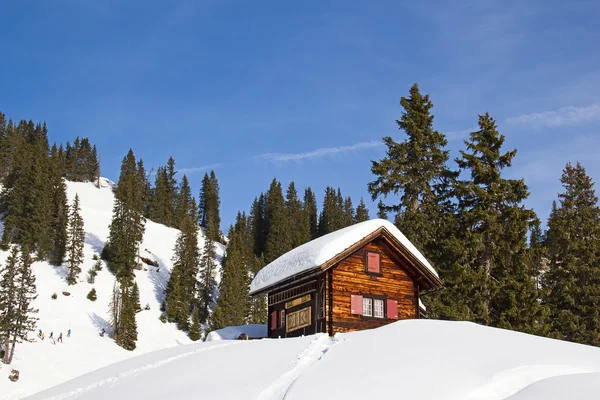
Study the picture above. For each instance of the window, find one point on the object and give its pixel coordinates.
(378, 308)
(370, 307)
(367, 307)
(373, 262)
(281, 318)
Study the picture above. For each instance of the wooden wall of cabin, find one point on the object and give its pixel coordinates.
(306, 293)
(349, 277)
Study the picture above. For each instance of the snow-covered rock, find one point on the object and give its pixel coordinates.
(410, 359)
(43, 364)
(313, 254)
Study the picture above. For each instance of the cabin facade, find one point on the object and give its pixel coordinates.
(360, 277)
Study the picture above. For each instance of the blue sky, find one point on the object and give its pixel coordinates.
(304, 91)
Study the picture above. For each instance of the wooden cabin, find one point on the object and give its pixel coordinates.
(360, 277)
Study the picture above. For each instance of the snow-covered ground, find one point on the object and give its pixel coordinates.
(411, 359)
(43, 364)
(253, 331)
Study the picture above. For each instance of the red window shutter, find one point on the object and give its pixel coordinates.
(392, 309)
(373, 262)
(356, 306)
(273, 320)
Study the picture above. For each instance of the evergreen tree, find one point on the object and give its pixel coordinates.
(348, 213)
(232, 305)
(126, 332)
(299, 223)
(75, 241)
(362, 212)
(209, 205)
(412, 169)
(27, 196)
(381, 210)
(278, 231)
(573, 243)
(310, 209)
(8, 300)
(17, 319)
(160, 205)
(258, 222)
(332, 213)
(183, 282)
(497, 277)
(184, 203)
(60, 210)
(144, 178)
(127, 226)
(207, 284)
(195, 330)
(135, 297)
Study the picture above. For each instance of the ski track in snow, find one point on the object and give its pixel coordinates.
(509, 382)
(313, 353)
(132, 372)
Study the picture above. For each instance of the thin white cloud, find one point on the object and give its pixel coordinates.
(462, 134)
(561, 117)
(318, 153)
(199, 169)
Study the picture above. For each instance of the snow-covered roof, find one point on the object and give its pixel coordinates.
(315, 253)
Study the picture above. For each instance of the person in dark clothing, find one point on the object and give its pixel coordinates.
(51, 335)
(69, 333)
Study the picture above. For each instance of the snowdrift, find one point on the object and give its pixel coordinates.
(253, 331)
(43, 364)
(411, 359)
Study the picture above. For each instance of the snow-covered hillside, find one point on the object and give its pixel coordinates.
(411, 359)
(43, 364)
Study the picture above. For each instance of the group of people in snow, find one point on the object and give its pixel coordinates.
(42, 336)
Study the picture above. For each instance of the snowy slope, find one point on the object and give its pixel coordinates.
(43, 364)
(409, 359)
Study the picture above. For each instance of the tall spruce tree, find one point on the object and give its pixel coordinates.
(573, 277)
(17, 320)
(381, 210)
(348, 212)
(207, 283)
(127, 226)
(209, 205)
(259, 224)
(278, 230)
(310, 209)
(121, 250)
(501, 287)
(160, 204)
(299, 223)
(60, 210)
(8, 300)
(75, 241)
(332, 213)
(362, 212)
(412, 169)
(186, 258)
(232, 305)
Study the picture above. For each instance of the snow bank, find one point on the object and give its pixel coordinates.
(43, 364)
(316, 252)
(410, 359)
(254, 331)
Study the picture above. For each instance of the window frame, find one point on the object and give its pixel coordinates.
(367, 263)
(383, 299)
(281, 319)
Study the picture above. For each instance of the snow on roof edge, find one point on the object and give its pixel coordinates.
(318, 251)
